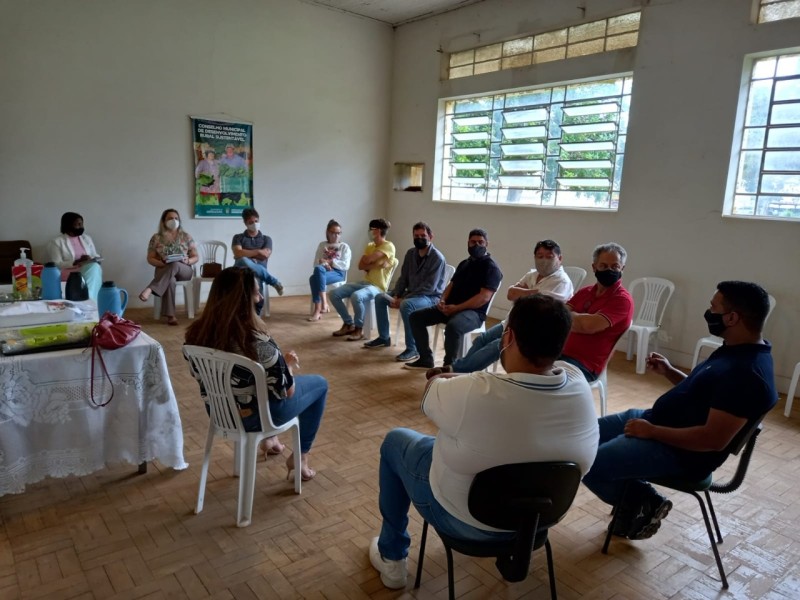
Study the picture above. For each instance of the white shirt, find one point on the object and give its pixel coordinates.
(488, 420)
(557, 284)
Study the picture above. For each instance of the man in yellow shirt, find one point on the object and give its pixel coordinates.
(377, 263)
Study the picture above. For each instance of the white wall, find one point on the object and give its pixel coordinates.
(687, 73)
(95, 102)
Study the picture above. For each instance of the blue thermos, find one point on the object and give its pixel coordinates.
(110, 298)
(51, 282)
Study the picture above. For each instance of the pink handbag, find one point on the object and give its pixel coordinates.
(110, 333)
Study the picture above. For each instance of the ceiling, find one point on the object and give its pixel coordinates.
(394, 12)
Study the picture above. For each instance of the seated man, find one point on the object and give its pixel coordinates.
(601, 313)
(377, 263)
(547, 278)
(420, 285)
(691, 428)
(540, 411)
(463, 305)
(252, 250)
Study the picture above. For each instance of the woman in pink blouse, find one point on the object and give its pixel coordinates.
(74, 251)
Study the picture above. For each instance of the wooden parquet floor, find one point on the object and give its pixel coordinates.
(118, 535)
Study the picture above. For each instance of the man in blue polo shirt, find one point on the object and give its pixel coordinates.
(463, 305)
(691, 429)
(252, 250)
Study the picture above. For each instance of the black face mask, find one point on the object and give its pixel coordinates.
(421, 243)
(77, 232)
(608, 277)
(477, 251)
(716, 326)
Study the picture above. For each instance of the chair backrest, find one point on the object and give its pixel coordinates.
(745, 445)
(209, 251)
(526, 498)
(654, 302)
(449, 271)
(214, 369)
(576, 276)
(771, 307)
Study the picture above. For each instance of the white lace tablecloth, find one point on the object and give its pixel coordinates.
(49, 427)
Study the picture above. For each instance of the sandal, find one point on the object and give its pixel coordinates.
(271, 446)
(306, 473)
(315, 317)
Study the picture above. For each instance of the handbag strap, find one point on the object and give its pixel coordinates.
(95, 349)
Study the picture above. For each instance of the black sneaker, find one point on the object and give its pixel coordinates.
(407, 356)
(378, 343)
(419, 364)
(648, 520)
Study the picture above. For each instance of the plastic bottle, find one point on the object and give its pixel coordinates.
(22, 283)
(51, 282)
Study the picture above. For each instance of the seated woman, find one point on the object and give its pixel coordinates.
(229, 322)
(171, 251)
(330, 266)
(74, 251)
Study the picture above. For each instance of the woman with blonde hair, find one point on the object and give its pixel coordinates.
(330, 266)
(229, 322)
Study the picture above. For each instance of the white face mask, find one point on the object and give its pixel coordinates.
(172, 224)
(546, 266)
(253, 227)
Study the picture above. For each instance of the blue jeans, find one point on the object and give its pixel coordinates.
(307, 403)
(621, 459)
(407, 306)
(259, 269)
(404, 478)
(321, 278)
(359, 294)
(484, 351)
(457, 325)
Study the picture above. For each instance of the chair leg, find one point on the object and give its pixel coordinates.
(792, 388)
(421, 558)
(188, 296)
(614, 515)
(201, 492)
(696, 356)
(713, 516)
(298, 460)
(629, 353)
(712, 540)
(451, 585)
(641, 352)
(550, 570)
(247, 481)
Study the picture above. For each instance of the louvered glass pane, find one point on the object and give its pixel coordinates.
(550, 39)
(587, 31)
(595, 89)
(626, 40)
(522, 149)
(488, 52)
(782, 161)
(521, 165)
(525, 116)
(466, 137)
(744, 205)
(753, 138)
(788, 65)
(589, 128)
(584, 182)
(788, 89)
(586, 164)
(467, 181)
(472, 105)
(588, 146)
(785, 114)
(624, 23)
(777, 12)
(765, 68)
(472, 121)
(785, 137)
(758, 103)
(779, 206)
(543, 56)
(521, 133)
(457, 72)
(519, 46)
(749, 166)
(582, 199)
(590, 109)
(780, 184)
(487, 67)
(529, 98)
(584, 48)
(470, 152)
(458, 59)
(521, 182)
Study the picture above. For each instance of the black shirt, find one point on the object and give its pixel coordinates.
(472, 275)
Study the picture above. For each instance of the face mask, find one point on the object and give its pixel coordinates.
(608, 278)
(716, 326)
(332, 237)
(172, 224)
(77, 232)
(421, 243)
(253, 227)
(546, 266)
(477, 251)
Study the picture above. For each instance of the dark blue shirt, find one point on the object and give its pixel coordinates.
(256, 242)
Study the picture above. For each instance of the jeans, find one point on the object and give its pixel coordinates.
(321, 278)
(403, 477)
(457, 325)
(259, 269)
(590, 377)
(307, 403)
(484, 351)
(359, 294)
(407, 306)
(621, 459)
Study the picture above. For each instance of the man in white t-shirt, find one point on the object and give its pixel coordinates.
(548, 278)
(539, 411)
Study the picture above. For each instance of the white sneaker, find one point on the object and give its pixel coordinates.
(393, 572)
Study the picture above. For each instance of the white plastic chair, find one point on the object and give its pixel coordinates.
(328, 287)
(792, 388)
(188, 297)
(601, 385)
(576, 276)
(466, 339)
(648, 320)
(714, 342)
(369, 310)
(214, 369)
(449, 271)
(209, 253)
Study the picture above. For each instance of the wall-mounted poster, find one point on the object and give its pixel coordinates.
(223, 168)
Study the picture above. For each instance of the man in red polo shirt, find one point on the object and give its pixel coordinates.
(601, 313)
